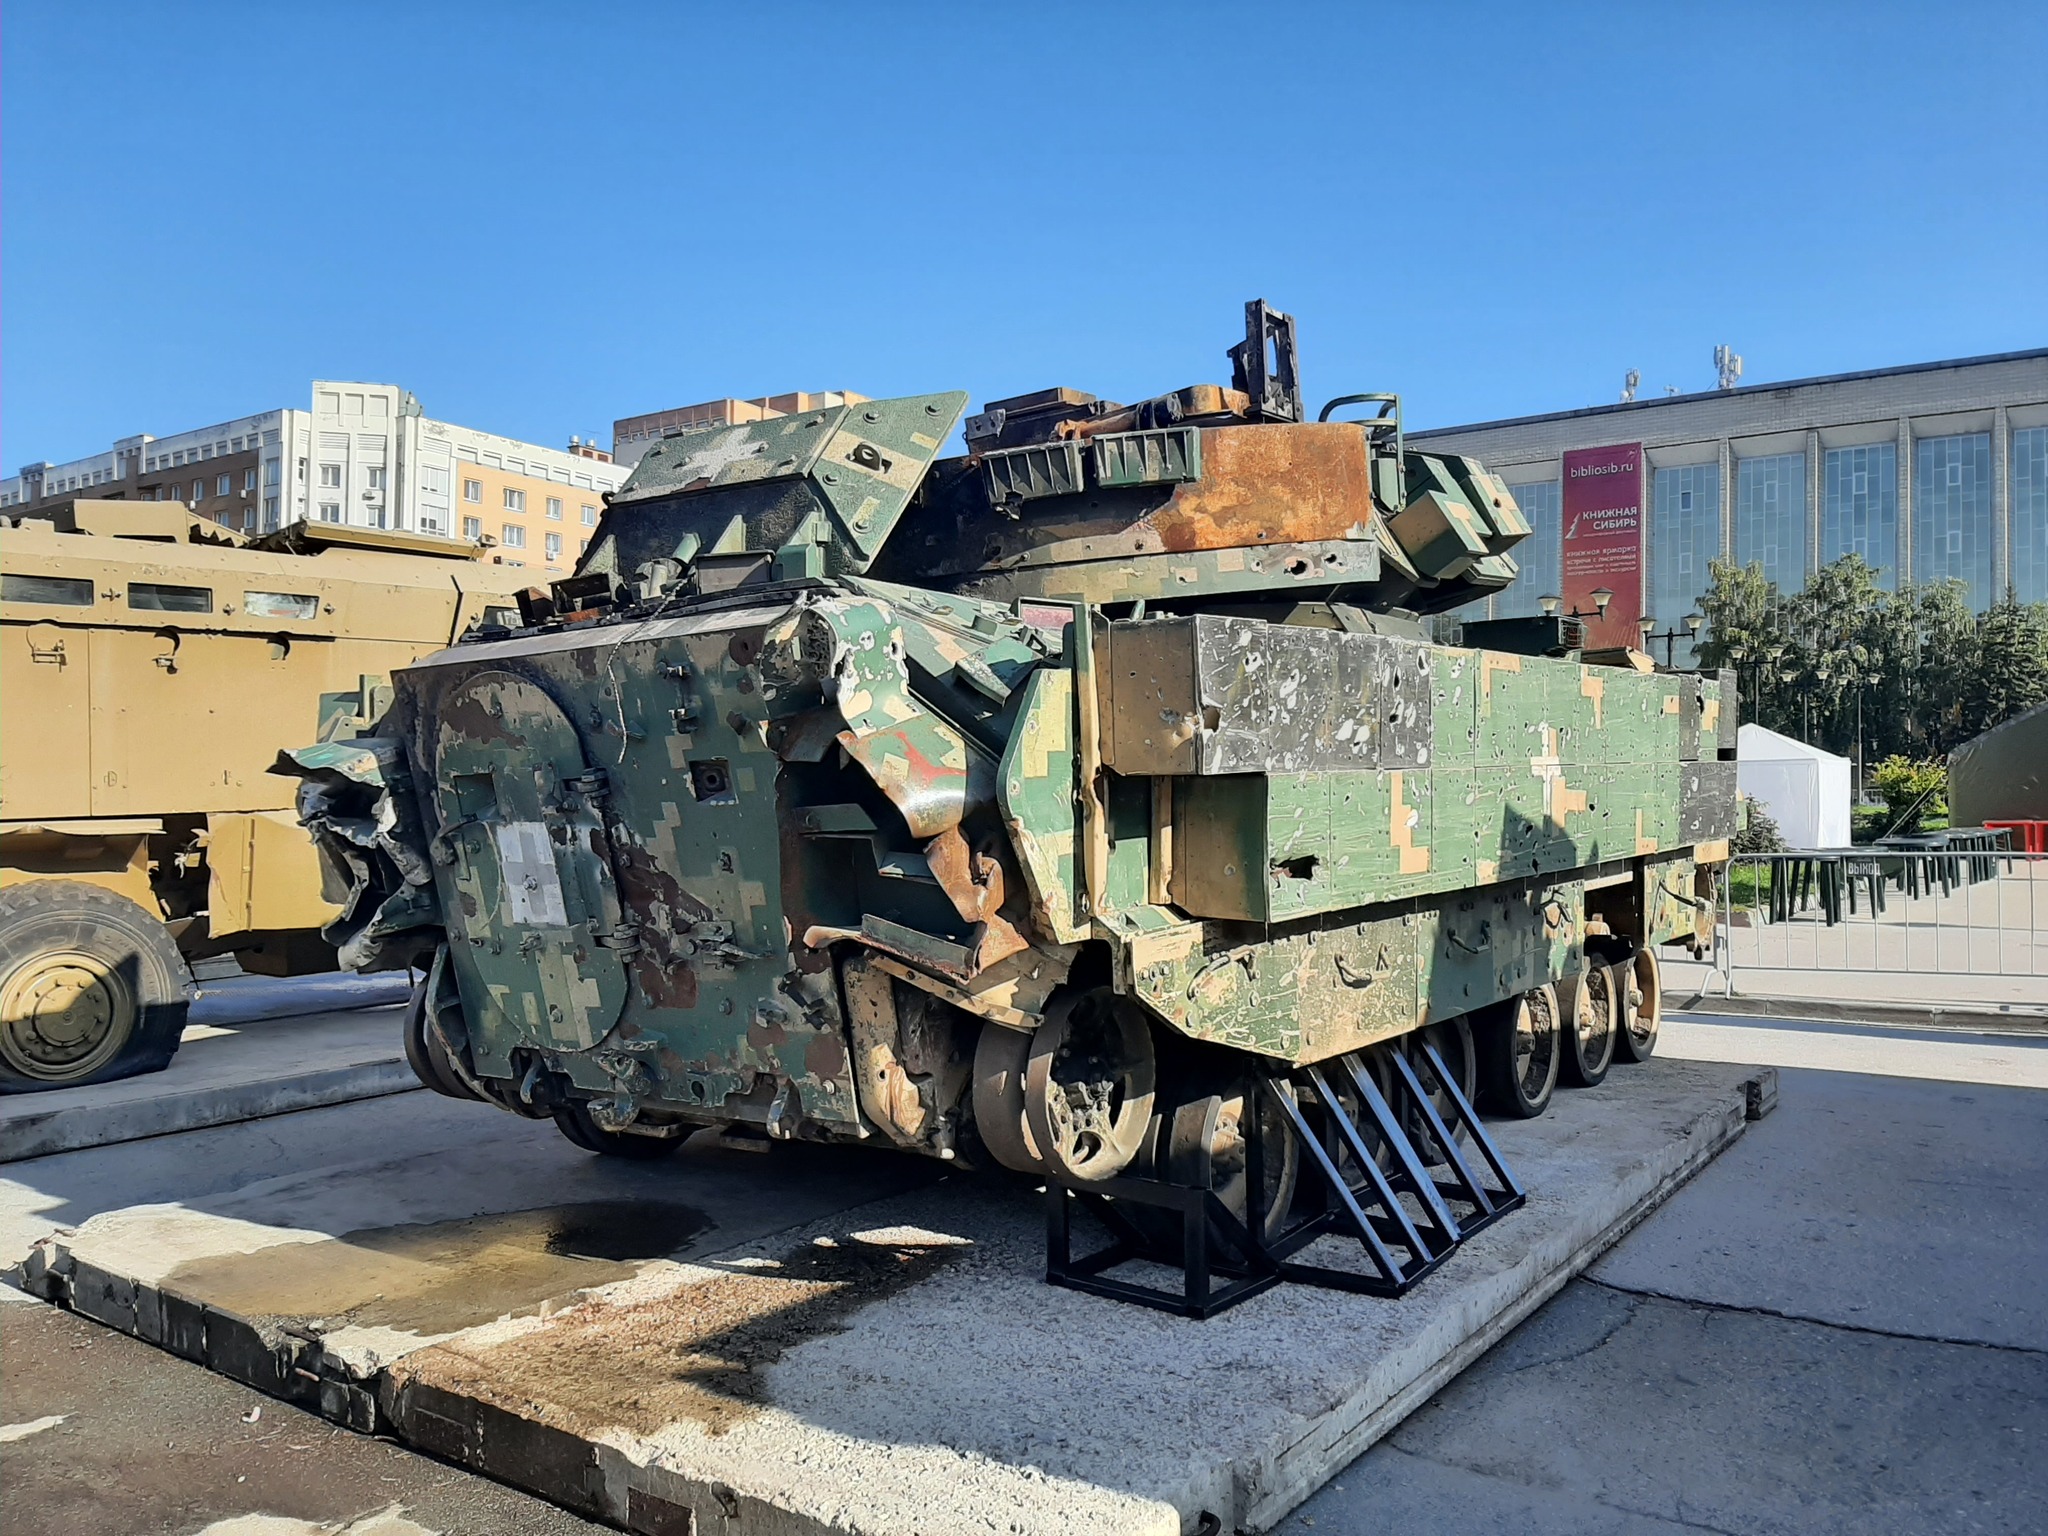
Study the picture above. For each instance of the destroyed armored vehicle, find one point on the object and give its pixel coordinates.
(1094, 803)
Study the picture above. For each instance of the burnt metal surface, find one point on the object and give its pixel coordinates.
(1207, 694)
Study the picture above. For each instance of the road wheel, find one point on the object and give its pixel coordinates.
(1517, 1045)
(1453, 1041)
(1207, 1147)
(1585, 1001)
(1088, 1085)
(1000, 1055)
(91, 987)
(423, 1050)
(574, 1122)
(1639, 986)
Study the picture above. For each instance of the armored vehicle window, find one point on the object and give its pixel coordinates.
(280, 605)
(161, 597)
(72, 591)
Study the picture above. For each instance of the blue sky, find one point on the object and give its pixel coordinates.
(541, 218)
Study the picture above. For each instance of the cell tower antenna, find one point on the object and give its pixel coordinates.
(1727, 366)
(1629, 382)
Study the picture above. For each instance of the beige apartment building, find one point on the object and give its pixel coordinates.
(632, 435)
(534, 517)
(364, 454)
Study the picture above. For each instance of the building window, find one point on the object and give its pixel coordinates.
(589, 516)
(430, 525)
(224, 486)
(269, 509)
(2030, 514)
(513, 536)
(1770, 517)
(1859, 508)
(1685, 535)
(472, 527)
(330, 511)
(515, 501)
(376, 477)
(472, 490)
(1952, 538)
(1538, 555)
(553, 544)
(583, 546)
(330, 476)
(302, 473)
(249, 479)
(555, 508)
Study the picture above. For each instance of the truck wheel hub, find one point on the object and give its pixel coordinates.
(58, 1012)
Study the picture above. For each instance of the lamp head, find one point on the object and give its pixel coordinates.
(1695, 621)
(1601, 598)
(1548, 603)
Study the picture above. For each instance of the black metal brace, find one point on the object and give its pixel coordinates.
(1389, 1169)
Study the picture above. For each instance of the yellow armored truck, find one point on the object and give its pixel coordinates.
(154, 664)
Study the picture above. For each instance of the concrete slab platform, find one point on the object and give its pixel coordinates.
(228, 1067)
(891, 1365)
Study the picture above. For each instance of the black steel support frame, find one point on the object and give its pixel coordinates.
(1342, 1190)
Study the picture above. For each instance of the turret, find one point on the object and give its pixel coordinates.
(1201, 498)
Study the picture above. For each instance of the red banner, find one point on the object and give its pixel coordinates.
(1603, 539)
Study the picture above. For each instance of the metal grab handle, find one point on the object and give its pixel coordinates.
(1387, 403)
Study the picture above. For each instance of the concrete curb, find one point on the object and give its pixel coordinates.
(36, 1132)
(1959, 1018)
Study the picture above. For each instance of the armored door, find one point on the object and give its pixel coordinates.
(533, 911)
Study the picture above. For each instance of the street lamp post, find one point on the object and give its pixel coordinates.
(1671, 636)
(1549, 602)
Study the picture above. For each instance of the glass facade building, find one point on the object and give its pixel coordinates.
(1930, 472)
(1952, 513)
(1685, 536)
(1770, 516)
(2030, 515)
(1859, 509)
(1539, 555)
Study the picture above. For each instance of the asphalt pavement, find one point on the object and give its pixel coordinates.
(1838, 1326)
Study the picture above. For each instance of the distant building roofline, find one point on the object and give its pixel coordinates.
(1620, 406)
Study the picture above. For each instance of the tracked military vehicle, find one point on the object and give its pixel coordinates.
(1092, 803)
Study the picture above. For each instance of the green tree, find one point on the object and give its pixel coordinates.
(1947, 669)
(1844, 664)
(1836, 624)
(2011, 674)
(1745, 631)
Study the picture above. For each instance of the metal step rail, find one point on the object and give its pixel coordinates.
(1362, 1175)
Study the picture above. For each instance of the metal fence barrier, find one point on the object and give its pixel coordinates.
(1970, 905)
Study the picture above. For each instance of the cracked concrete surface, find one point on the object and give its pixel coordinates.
(1839, 1327)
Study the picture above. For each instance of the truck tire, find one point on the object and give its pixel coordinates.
(91, 987)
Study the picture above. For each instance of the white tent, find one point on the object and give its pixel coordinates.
(1805, 789)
